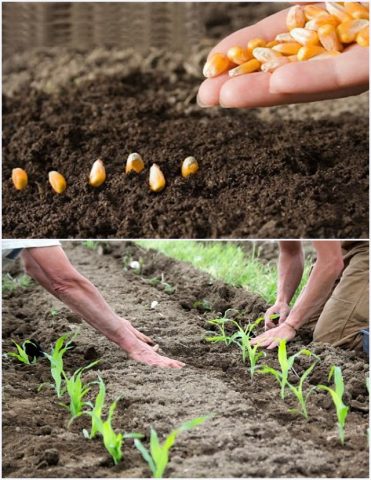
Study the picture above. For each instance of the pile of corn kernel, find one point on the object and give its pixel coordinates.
(314, 33)
(134, 165)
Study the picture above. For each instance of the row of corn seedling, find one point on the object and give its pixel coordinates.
(75, 389)
(242, 337)
(134, 165)
(315, 32)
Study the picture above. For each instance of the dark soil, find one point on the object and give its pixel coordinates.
(256, 179)
(252, 433)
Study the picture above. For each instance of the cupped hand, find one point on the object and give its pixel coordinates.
(271, 338)
(279, 308)
(297, 82)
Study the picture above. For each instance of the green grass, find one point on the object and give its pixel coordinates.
(226, 261)
(9, 283)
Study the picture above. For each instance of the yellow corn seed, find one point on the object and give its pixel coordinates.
(329, 38)
(284, 38)
(295, 17)
(317, 22)
(362, 37)
(19, 178)
(97, 174)
(273, 64)
(356, 10)
(334, 8)
(238, 55)
(304, 37)
(347, 31)
(134, 163)
(326, 55)
(255, 43)
(189, 167)
(247, 67)
(263, 54)
(309, 51)
(314, 11)
(289, 48)
(157, 180)
(217, 64)
(272, 43)
(57, 181)
(292, 58)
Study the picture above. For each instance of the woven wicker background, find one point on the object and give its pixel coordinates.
(177, 26)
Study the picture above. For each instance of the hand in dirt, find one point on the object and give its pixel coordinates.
(271, 338)
(296, 82)
(146, 354)
(280, 308)
(137, 333)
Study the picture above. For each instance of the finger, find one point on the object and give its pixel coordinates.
(283, 315)
(345, 73)
(272, 345)
(269, 324)
(208, 93)
(267, 28)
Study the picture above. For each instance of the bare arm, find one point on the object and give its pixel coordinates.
(50, 267)
(290, 272)
(328, 267)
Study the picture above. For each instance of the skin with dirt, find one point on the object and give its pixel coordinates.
(252, 433)
(290, 171)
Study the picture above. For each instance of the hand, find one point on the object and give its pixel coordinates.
(271, 338)
(280, 308)
(297, 82)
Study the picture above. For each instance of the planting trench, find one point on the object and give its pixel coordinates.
(291, 171)
(252, 433)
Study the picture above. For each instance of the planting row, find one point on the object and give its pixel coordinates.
(97, 177)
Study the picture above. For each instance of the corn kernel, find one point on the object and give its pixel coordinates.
(189, 167)
(325, 56)
(289, 48)
(295, 17)
(97, 174)
(157, 180)
(255, 43)
(356, 10)
(247, 67)
(272, 43)
(19, 178)
(292, 58)
(317, 22)
(273, 64)
(57, 181)
(304, 37)
(334, 8)
(217, 64)
(238, 55)
(348, 30)
(309, 51)
(362, 37)
(284, 38)
(314, 11)
(134, 163)
(329, 38)
(263, 54)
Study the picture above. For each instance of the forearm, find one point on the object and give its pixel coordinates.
(320, 284)
(290, 270)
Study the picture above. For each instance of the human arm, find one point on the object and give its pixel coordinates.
(327, 268)
(50, 267)
(298, 82)
(290, 272)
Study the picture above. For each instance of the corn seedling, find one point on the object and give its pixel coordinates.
(22, 354)
(77, 390)
(202, 305)
(96, 409)
(298, 392)
(9, 283)
(111, 440)
(157, 456)
(337, 398)
(90, 244)
(56, 361)
(286, 364)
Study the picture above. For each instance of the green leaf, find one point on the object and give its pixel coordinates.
(145, 454)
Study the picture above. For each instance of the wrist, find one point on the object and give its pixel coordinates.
(289, 324)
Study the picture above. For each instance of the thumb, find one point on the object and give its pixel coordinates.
(344, 73)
